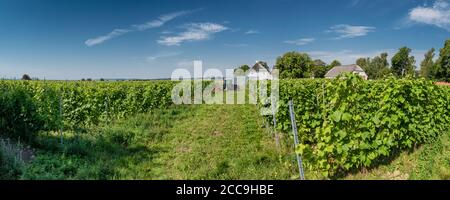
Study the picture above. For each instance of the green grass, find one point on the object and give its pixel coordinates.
(11, 162)
(183, 142)
(203, 142)
(430, 161)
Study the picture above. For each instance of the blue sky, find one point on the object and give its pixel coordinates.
(68, 39)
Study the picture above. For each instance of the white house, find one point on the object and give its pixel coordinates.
(335, 71)
(259, 71)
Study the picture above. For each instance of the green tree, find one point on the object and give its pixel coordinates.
(443, 63)
(335, 63)
(243, 68)
(380, 66)
(375, 68)
(427, 65)
(294, 65)
(26, 77)
(319, 69)
(384, 62)
(319, 62)
(403, 63)
(363, 62)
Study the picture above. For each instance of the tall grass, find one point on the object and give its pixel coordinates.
(11, 161)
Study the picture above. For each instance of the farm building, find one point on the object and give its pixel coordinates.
(259, 71)
(335, 71)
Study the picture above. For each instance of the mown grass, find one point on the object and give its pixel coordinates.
(183, 142)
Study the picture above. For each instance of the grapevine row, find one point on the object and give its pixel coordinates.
(30, 106)
(349, 123)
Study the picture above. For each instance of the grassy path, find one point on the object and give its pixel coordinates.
(223, 142)
(183, 142)
(217, 142)
(202, 142)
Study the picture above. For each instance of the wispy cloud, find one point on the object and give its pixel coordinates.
(345, 31)
(438, 14)
(354, 3)
(193, 32)
(103, 38)
(166, 32)
(162, 55)
(249, 32)
(160, 21)
(301, 41)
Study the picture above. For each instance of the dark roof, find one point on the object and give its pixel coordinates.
(259, 67)
(335, 71)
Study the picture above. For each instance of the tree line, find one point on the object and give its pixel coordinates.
(301, 65)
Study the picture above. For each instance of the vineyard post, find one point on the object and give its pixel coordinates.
(106, 108)
(61, 119)
(294, 131)
(274, 122)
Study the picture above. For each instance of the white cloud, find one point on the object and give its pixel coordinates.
(252, 32)
(161, 20)
(162, 55)
(438, 14)
(348, 31)
(194, 32)
(166, 32)
(300, 42)
(139, 27)
(101, 39)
